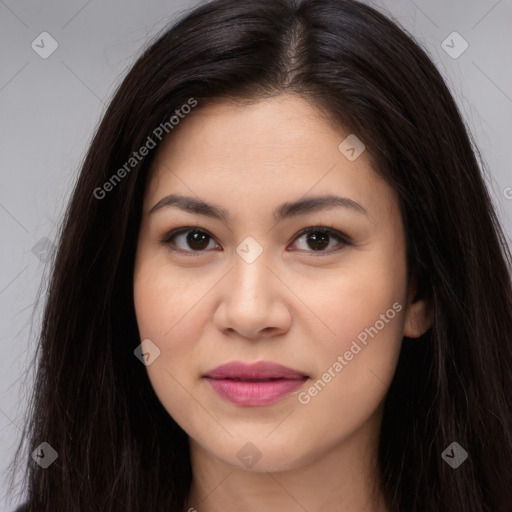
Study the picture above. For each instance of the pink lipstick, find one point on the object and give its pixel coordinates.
(255, 384)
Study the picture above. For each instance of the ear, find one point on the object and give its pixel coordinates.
(419, 315)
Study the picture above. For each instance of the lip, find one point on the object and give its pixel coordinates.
(254, 384)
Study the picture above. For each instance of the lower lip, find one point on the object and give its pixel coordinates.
(254, 393)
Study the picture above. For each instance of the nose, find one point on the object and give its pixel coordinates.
(253, 302)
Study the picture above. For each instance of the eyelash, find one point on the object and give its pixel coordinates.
(343, 239)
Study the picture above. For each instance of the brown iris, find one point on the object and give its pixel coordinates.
(197, 239)
(318, 240)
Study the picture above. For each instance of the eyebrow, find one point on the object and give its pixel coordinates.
(286, 210)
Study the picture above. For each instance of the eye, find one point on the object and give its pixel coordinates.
(197, 240)
(317, 238)
(194, 240)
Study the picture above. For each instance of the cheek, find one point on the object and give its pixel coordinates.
(355, 359)
(354, 302)
(169, 310)
(166, 303)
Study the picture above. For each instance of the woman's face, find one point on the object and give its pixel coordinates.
(248, 286)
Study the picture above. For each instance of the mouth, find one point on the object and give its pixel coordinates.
(256, 384)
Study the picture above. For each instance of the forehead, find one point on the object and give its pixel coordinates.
(270, 129)
(277, 148)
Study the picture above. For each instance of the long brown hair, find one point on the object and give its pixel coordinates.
(118, 449)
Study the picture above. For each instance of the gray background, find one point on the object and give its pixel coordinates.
(50, 108)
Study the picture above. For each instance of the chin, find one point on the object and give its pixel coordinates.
(262, 456)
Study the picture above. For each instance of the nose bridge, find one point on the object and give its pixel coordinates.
(250, 303)
(251, 276)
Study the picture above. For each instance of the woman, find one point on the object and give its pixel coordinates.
(329, 331)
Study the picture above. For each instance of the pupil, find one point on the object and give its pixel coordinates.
(318, 239)
(196, 240)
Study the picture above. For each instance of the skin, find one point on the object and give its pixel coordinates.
(291, 305)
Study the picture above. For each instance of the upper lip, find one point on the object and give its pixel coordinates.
(254, 371)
